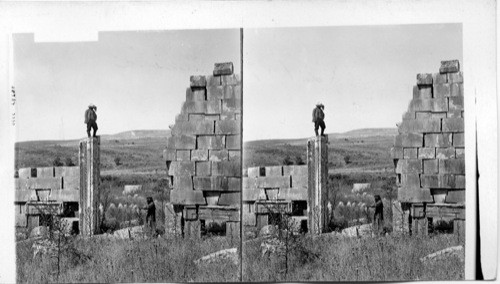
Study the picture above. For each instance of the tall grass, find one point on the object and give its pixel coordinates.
(103, 261)
(391, 258)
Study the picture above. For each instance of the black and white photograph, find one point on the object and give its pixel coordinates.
(355, 169)
(127, 157)
(249, 141)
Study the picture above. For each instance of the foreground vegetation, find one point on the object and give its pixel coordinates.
(100, 260)
(331, 258)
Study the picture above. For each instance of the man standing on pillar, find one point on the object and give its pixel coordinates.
(318, 116)
(90, 119)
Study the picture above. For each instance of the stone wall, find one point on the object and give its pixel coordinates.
(44, 184)
(274, 187)
(203, 153)
(429, 152)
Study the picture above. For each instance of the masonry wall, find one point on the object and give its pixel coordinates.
(429, 151)
(59, 184)
(203, 154)
(272, 186)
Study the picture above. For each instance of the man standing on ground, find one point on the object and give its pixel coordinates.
(150, 216)
(378, 216)
(91, 118)
(318, 116)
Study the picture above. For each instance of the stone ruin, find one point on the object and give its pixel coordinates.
(203, 156)
(429, 154)
(68, 193)
(297, 190)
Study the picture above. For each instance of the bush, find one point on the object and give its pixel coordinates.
(57, 162)
(338, 224)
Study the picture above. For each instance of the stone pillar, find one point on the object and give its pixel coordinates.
(317, 163)
(173, 217)
(89, 186)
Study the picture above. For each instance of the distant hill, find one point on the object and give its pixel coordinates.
(366, 132)
(138, 134)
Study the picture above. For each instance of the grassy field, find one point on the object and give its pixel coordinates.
(106, 261)
(390, 258)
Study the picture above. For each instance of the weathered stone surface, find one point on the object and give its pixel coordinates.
(24, 195)
(441, 90)
(271, 193)
(439, 256)
(233, 142)
(230, 79)
(199, 155)
(198, 81)
(169, 155)
(218, 155)
(292, 193)
(431, 166)
(193, 128)
(273, 182)
(397, 152)
(227, 127)
(211, 142)
(183, 155)
(192, 229)
(456, 196)
(411, 180)
(409, 115)
(445, 153)
(458, 140)
(460, 153)
(181, 168)
(43, 183)
(231, 106)
(226, 168)
(400, 216)
(295, 170)
(187, 197)
(422, 92)
(250, 194)
(456, 103)
(409, 140)
(453, 124)
(454, 114)
(45, 172)
(430, 115)
(409, 166)
(230, 199)
(182, 117)
(27, 172)
(215, 92)
(420, 126)
(203, 169)
(413, 195)
(181, 142)
(439, 78)
(449, 66)
(455, 77)
(183, 183)
(236, 92)
(173, 216)
(459, 181)
(410, 153)
(202, 107)
(426, 153)
(452, 166)
(456, 89)
(436, 105)
(210, 183)
(429, 181)
(437, 140)
(67, 171)
(71, 182)
(299, 181)
(195, 94)
(234, 155)
(274, 171)
(213, 80)
(424, 79)
(254, 171)
(225, 68)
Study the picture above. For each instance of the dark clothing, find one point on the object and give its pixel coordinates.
(318, 114)
(90, 115)
(379, 209)
(90, 120)
(378, 216)
(151, 212)
(317, 117)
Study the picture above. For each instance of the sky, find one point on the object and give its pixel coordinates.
(364, 75)
(137, 80)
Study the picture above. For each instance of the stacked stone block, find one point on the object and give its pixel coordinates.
(317, 161)
(89, 158)
(272, 188)
(44, 184)
(429, 150)
(203, 153)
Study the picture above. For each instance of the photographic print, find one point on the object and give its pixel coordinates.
(127, 157)
(353, 154)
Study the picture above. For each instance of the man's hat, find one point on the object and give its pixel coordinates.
(92, 106)
(319, 104)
